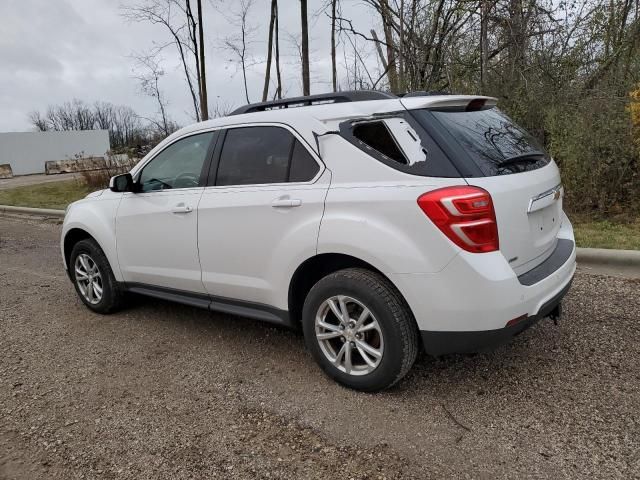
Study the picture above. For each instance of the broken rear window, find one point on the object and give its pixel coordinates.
(399, 142)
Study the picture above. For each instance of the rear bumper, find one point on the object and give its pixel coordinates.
(438, 343)
(471, 304)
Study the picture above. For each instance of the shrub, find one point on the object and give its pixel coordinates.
(113, 165)
(592, 142)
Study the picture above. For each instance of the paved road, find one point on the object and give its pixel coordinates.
(27, 180)
(167, 391)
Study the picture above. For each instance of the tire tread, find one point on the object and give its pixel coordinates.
(402, 317)
(116, 298)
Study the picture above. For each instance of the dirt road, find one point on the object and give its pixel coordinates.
(167, 391)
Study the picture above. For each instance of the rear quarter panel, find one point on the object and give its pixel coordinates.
(371, 213)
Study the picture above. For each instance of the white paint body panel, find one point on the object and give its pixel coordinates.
(156, 245)
(250, 249)
(477, 292)
(237, 245)
(96, 215)
(526, 238)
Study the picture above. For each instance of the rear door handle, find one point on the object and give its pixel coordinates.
(182, 208)
(286, 202)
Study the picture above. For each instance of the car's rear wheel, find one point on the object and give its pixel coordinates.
(93, 278)
(359, 329)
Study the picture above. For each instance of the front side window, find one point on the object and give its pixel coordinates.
(261, 155)
(177, 166)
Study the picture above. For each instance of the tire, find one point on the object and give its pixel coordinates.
(94, 261)
(394, 338)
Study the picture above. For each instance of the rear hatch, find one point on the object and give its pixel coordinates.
(494, 153)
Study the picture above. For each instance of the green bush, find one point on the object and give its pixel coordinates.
(592, 142)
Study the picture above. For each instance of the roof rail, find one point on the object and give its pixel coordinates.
(321, 99)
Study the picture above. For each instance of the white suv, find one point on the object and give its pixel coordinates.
(376, 223)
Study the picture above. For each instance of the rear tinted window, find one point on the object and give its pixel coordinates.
(490, 137)
(260, 155)
(303, 166)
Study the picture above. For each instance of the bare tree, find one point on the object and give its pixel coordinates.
(171, 14)
(149, 77)
(334, 70)
(385, 14)
(204, 109)
(38, 121)
(277, 40)
(238, 44)
(122, 122)
(306, 88)
(267, 73)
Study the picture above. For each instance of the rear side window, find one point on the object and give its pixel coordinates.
(400, 142)
(377, 136)
(491, 140)
(261, 155)
(303, 166)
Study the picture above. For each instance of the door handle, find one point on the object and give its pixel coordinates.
(181, 208)
(286, 202)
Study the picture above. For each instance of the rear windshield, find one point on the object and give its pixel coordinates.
(493, 141)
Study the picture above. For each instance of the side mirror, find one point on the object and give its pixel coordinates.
(121, 183)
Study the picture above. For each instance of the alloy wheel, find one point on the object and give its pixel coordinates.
(88, 278)
(349, 335)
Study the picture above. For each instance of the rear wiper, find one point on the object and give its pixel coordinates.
(525, 157)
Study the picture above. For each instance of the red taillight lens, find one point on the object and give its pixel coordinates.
(465, 215)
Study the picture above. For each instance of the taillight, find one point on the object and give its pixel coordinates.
(465, 215)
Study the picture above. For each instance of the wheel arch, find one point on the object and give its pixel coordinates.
(315, 268)
(76, 234)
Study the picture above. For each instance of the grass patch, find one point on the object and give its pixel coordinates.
(607, 233)
(56, 195)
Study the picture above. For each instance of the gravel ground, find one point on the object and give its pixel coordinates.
(167, 391)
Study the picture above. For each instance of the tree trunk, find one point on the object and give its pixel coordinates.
(306, 88)
(484, 43)
(192, 27)
(401, 80)
(204, 107)
(277, 39)
(383, 60)
(392, 72)
(267, 73)
(334, 73)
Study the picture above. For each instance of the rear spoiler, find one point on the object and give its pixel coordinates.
(454, 103)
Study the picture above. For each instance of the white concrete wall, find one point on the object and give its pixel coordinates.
(27, 152)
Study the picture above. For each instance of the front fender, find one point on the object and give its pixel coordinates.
(96, 216)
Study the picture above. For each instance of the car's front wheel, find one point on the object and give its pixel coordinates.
(359, 329)
(93, 278)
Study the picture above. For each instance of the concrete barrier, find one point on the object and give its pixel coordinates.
(52, 167)
(608, 257)
(41, 212)
(5, 171)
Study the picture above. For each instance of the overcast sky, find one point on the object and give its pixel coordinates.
(52, 51)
